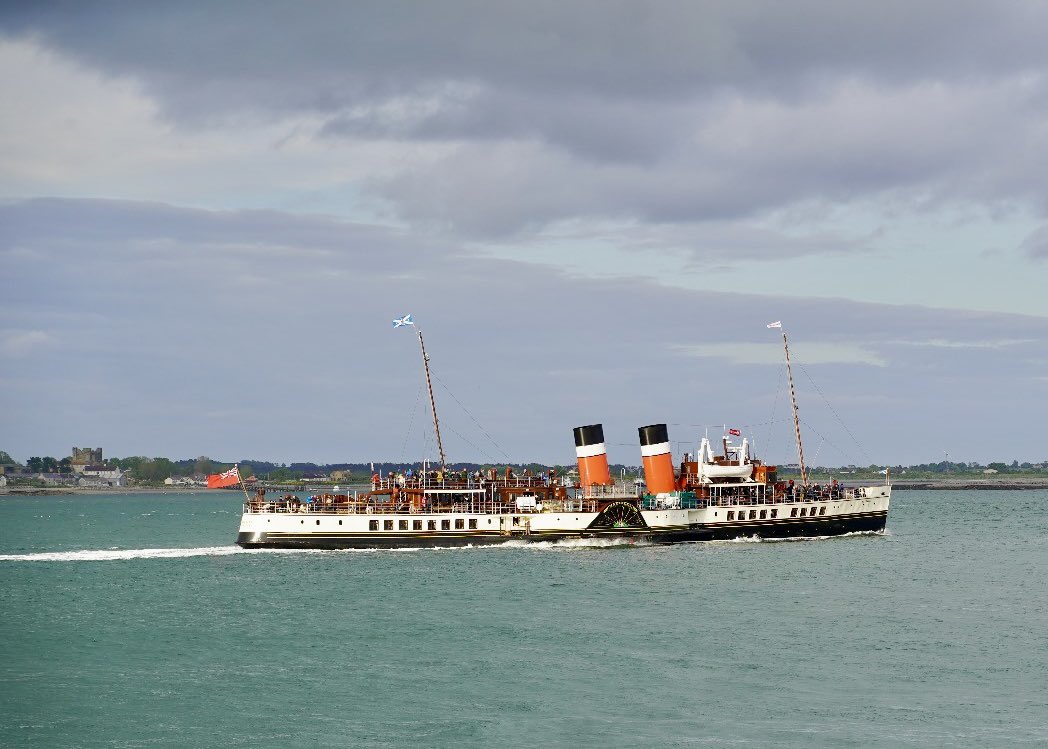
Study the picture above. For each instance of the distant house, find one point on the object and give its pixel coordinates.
(182, 481)
(3, 480)
(112, 475)
(990, 471)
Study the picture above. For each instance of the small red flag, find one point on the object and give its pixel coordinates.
(220, 480)
(735, 432)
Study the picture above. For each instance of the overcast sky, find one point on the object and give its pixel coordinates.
(210, 214)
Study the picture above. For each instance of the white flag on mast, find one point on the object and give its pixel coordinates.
(776, 324)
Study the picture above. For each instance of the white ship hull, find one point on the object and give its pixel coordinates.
(867, 510)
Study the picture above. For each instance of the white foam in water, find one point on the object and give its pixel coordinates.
(108, 555)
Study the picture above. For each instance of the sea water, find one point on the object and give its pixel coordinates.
(132, 621)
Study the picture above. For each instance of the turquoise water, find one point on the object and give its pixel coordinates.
(131, 621)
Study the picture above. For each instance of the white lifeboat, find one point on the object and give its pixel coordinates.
(709, 469)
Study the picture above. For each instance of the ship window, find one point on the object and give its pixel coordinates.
(822, 510)
(753, 514)
(318, 521)
(445, 525)
(387, 525)
(764, 514)
(372, 525)
(416, 525)
(804, 511)
(403, 525)
(489, 521)
(431, 525)
(340, 522)
(459, 524)
(731, 514)
(473, 524)
(793, 512)
(775, 512)
(516, 520)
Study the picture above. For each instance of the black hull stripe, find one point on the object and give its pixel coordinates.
(780, 528)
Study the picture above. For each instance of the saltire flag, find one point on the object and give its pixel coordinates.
(222, 480)
(776, 324)
(405, 320)
(735, 432)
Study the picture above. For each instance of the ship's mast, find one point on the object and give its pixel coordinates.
(432, 400)
(793, 401)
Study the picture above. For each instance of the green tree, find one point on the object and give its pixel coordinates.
(6, 459)
(35, 464)
(203, 466)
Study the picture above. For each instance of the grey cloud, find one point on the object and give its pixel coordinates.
(640, 50)
(1036, 244)
(660, 113)
(182, 360)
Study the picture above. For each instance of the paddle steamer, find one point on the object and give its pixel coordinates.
(710, 495)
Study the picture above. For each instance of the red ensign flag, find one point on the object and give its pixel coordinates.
(735, 432)
(219, 480)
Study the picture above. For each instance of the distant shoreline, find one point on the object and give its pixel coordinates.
(987, 484)
(957, 484)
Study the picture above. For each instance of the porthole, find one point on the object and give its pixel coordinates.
(318, 521)
(340, 522)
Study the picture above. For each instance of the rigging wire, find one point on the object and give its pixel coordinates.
(480, 450)
(477, 423)
(836, 415)
(411, 426)
(820, 435)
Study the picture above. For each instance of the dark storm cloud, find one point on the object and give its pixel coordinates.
(165, 340)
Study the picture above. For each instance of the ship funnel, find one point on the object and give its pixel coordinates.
(592, 455)
(658, 460)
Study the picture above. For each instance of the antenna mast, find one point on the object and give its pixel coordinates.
(432, 400)
(793, 401)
